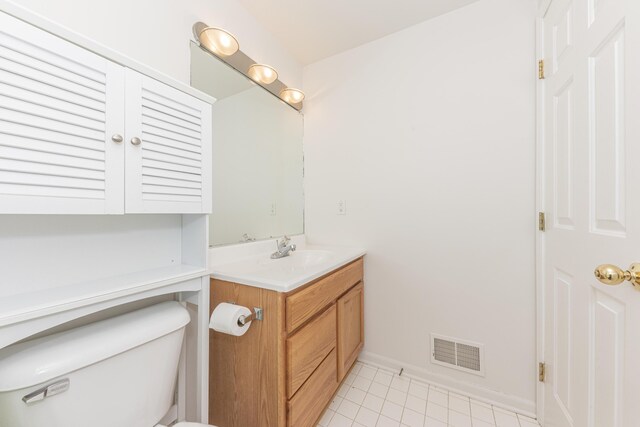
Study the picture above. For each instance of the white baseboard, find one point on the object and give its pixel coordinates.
(492, 397)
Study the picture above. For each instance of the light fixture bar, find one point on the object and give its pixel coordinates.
(258, 73)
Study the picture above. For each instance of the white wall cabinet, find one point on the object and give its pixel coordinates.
(168, 144)
(80, 134)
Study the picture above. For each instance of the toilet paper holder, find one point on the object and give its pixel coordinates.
(255, 315)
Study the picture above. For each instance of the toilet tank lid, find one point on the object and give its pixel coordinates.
(34, 362)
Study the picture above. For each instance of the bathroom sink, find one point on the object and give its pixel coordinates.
(285, 274)
(306, 258)
(296, 263)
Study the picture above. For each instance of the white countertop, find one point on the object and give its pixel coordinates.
(253, 266)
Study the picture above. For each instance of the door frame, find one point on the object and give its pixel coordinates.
(543, 6)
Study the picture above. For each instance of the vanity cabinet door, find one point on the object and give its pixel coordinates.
(168, 149)
(350, 328)
(61, 109)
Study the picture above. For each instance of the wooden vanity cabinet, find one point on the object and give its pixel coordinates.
(284, 371)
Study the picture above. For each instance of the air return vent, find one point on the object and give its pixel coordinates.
(454, 353)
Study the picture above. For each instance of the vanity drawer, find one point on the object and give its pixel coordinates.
(302, 305)
(308, 347)
(307, 405)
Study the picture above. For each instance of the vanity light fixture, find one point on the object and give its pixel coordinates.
(218, 41)
(291, 95)
(224, 46)
(262, 73)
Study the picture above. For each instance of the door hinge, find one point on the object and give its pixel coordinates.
(541, 69)
(542, 222)
(541, 372)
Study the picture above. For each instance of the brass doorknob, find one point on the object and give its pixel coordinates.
(612, 275)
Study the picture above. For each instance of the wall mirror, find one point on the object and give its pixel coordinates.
(257, 156)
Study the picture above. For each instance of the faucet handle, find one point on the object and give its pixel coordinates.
(283, 243)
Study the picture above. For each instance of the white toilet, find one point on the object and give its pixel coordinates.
(117, 372)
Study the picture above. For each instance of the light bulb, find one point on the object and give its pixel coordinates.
(291, 95)
(262, 73)
(218, 41)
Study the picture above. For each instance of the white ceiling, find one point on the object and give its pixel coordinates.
(315, 29)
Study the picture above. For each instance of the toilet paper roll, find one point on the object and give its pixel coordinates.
(225, 319)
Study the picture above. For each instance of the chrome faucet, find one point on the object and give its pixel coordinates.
(285, 247)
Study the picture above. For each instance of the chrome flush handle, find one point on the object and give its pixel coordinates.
(47, 391)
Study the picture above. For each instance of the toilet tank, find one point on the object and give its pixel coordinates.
(119, 372)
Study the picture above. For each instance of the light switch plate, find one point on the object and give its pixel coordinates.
(272, 209)
(342, 207)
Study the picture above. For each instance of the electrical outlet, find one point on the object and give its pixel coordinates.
(272, 209)
(342, 207)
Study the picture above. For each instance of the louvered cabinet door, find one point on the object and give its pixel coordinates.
(59, 107)
(168, 149)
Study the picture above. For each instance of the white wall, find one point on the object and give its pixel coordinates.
(428, 134)
(41, 252)
(157, 32)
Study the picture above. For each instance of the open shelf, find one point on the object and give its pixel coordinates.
(26, 306)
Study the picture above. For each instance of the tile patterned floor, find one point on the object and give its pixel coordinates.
(372, 397)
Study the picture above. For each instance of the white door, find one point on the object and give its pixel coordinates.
(590, 196)
(168, 149)
(60, 106)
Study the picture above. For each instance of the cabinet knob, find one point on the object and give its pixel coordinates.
(136, 141)
(117, 138)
